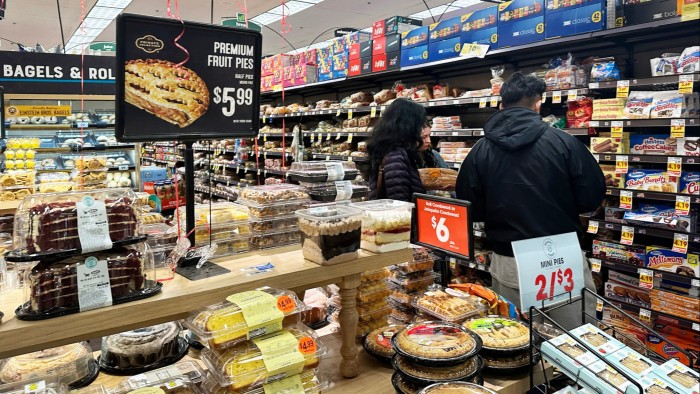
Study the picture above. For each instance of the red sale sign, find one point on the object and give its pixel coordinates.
(443, 224)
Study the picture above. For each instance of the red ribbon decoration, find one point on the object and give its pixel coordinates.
(182, 33)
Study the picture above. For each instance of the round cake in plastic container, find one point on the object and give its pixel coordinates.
(143, 349)
(509, 363)
(436, 343)
(500, 334)
(425, 376)
(307, 382)
(51, 386)
(73, 364)
(378, 342)
(456, 388)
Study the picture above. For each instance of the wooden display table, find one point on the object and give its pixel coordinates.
(181, 296)
(8, 206)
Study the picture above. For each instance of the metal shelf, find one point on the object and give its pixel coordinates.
(273, 154)
(454, 164)
(652, 81)
(660, 159)
(333, 135)
(650, 231)
(664, 275)
(280, 135)
(644, 122)
(459, 133)
(323, 156)
(635, 310)
(611, 191)
(579, 131)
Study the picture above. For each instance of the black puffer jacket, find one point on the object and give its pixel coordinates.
(528, 180)
(401, 178)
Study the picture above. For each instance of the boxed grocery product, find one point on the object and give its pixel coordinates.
(614, 214)
(689, 62)
(445, 29)
(654, 384)
(415, 37)
(619, 277)
(652, 144)
(324, 76)
(688, 146)
(339, 45)
(281, 61)
(632, 363)
(339, 62)
(265, 84)
(603, 343)
(608, 145)
(519, 9)
(603, 379)
(444, 49)
(521, 31)
(670, 350)
(638, 105)
(484, 37)
(689, 303)
(357, 37)
(628, 254)
(563, 351)
(651, 180)
(266, 66)
(660, 216)
(482, 19)
(631, 295)
(366, 65)
(394, 25)
(414, 55)
(360, 49)
(386, 62)
(636, 12)
(667, 105)
(386, 44)
(575, 20)
(354, 67)
(323, 53)
(689, 183)
(679, 376)
(612, 178)
(608, 109)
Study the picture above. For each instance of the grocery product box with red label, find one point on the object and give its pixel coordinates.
(660, 216)
(305, 73)
(689, 146)
(354, 67)
(288, 76)
(386, 61)
(479, 20)
(664, 259)
(444, 49)
(445, 29)
(628, 254)
(386, 44)
(366, 65)
(651, 180)
(281, 60)
(569, 21)
(415, 55)
(415, 37)
(323, 54)
(484, 37)
(360, 49)
(357, 37)
(394, 25)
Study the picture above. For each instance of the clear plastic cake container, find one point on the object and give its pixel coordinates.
(215, 214)
(275, 239)
(323, 171)
(307, 382)
(330, 234)
(271, 210)
(375, 275)
(222, 232)
(335, 191)
(479, 309)
(386, 225)
(423, 260)
(47, 223)
(372, 292)
(272, 193)
(413, 281)
(188, 369)
(159, 234)
(69, 363)
(170, 384)
(245, 364)
(375, 313)
(288, 222)
(36, 386)
(228, 322)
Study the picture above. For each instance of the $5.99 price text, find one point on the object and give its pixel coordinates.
(546, 284)
(230, 97)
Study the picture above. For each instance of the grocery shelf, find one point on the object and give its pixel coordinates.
(631, 158)
(564, 93)
(323, 156)
(641, 230)
(458, 133)
(213, 192)
(273, 154)
(454, 164)
(95, 148)
(636, 311)
(171, 163)
(631, 269)
(613, 191)
(269, 135)
(652, 81)
(324, 135)
(469, 264)
(577, 131)
(644, 122)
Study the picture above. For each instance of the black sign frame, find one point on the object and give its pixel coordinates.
(174, 133)
(2, 113)
(469, 230)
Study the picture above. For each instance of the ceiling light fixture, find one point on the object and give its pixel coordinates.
(290, 8)
(97, 19)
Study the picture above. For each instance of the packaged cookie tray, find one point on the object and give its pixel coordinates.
(282, 208)
(159, 234)
(188, 369)
(423, 260)
(55, 187)
(288, 222)
(262, 195)
(223, 231)
(372, 292)
(169, 385)
(228, 247)
(218, 213)
(435, 306)
(51, 385)
(414, 281)
(275, 239)
(224, 324)
(323, 171)
(375, 275)
(308, 382)
(245, 364)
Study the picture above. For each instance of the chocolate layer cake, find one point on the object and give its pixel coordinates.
(142, 347)
(54, 226)
(330, 240)
(54, 284)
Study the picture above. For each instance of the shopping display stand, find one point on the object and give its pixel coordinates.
(537, 337)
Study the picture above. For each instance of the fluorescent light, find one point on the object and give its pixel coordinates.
(296, 6)
(95, 23)
(291, 8)
(113, 3)
(422, 15)
(465, 3)
(277, 11)
(266, 18)
(105, 12)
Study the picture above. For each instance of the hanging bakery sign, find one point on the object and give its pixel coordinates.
(48, 73)
(186, 81)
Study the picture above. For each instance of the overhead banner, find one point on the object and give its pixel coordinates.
(202, 82)
(49, 73)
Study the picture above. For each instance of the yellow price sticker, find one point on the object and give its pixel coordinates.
(682, 205)
(312, 138)
(572, 95)
(646, 278)
(350, 114)
(373, 112)
(685, 84)
(673, 166)
(627, 235)
(644, 315)
(349, 159)
(494, 101)
(556, 97)
(328, 137)
(328, 157)
(482, 102)
(264, 119)
(677, 128)
(625, 199)
(680, 243)
(337, 136)
(264, 137)
(616, 128)
(623, 89)
(592, 227)
(349, 138)
(599, 305)
(621, 164)
(595, 265)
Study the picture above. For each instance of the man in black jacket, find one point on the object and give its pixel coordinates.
(526, 179)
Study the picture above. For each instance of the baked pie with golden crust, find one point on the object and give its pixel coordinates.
(173, 93)
(436, 341)
(500, 333)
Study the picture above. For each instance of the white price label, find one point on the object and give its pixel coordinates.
(599, 305)
(230, 97)
(595, 265)
(592, 227)
(455, 102)
(123, 167)
(646, 278)
(627, 235)
(597, 158)
(35, 387)
(625, 199)
(82, 124)
(572, 95)
(695, 282)
(696, 327)
(644, 315)
(556, 97)
(673, 166)
(482, 102)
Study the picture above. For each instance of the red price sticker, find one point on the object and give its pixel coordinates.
(616, 128)
(286, 304)
(621, 164)
(682, 205)
(627, 235)
(561, 279)
(442, 224)
(625, 199)
(623, 89)
(592, 227)
(646, 278)
(307, 346)
(680, 243)
(673, 166)
(677, 128)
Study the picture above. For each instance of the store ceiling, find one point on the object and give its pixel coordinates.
(36, 21)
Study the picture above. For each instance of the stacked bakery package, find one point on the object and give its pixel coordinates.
(16, 184)
(454, 151)
(225, 223)
(327, 181)
(408, 281)
(255, 337)
(591, 372)
(271, 209)
(61, 236)
(372, 306)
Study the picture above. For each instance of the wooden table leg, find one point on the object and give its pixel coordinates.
(348, 325)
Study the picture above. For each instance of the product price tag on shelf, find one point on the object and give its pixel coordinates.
(349, 159)
(123, 167)
(337, 136)
(623, 89)
(597, 158)
(556, 97)
(616, 128)
(482, 102)
(627, 235)
(599, 305)
(328, 137)
(644, 315)
(572, 95)
(264, 119)
(373, 112)
(682, 205)
(431, 104)
(696, 327)
(259, 172)
(494, 101)
(595, 265)
(680, 243)
(673, 166)
(312, 138)
(349, 138)
(455, 102)
(350, 114)
(340, 111)
(695, 282)
(264, 137)
(646, 278)
(544, 98)
(592, 227)
(35, 387)
(625, 199)
(328, 157)
(82, 124)
(621, 164)
(685, 84)
(677, 128)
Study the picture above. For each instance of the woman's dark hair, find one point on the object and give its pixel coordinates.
(428, 159)
(522, 90)
(399, 126)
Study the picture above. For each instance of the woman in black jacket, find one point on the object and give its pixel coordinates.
(393, 152)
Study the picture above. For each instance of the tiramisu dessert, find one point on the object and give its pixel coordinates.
(386, 225)
(330, 235)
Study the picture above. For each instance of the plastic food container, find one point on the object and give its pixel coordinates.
(400, 295)
(386, 225)
(330, 235)
(378, 342)
(273, 224)
(143, 349)
(249, 364)
(188, 369)
(414, 281)
(381, 310)
(449, 308)
(335, 191)
(274, 239)
(455, 345)
(375, 275)
(500, 334)
(425, 376)
(226, 323)
(456, 388)
(423, 260)
(272, 194)
(219, 213)
(323, 171)
(308, 382)
(17, 178)
(51, 287)
(47, 224)
(222, 231)
(159, 235)
(72, 364)
(35, 386)
(372, 291)
(171, 384)
(273, 210)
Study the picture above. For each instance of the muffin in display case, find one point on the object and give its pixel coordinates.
(251, 363)
(236, 319)
(72, 222)
(143, 349)
(323, 171)
(386, 225)
(330, 235)
(35, 386)
(307, 382)
(73, 364)
(52, 287)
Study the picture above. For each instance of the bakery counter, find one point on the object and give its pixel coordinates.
(180, 296)
(9, 207)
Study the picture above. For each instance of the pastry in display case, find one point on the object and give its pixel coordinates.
(307, 382)
(456, 388)
(168, 385)
(500, 333)
(143, 349)
(187, 369)
(378, 342)
(323, 171)
(375, 275)
(272, 194)
(423, 260)
(275, 239)
(386, 225)
(414, 281)
(289, 222)
(330, 235)
(43, 386)
(436, 343)
(447, 307)
(372, 291)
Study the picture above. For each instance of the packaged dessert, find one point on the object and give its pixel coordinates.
(335, 191)
(603, 378)
(386, 225)
(15, 193)
(253, 363)
(689, 183)
(36, 386)
(378, 342)
(56, 223)
(500, 334)
(188, 369)
(667, 104)
(17, 178)
(414, 281)
(375, 275)
(456, 388)
(373, 311)
(511, 363)
(566, 353)
(425, 375)
(682, 378)
(372, 291)
(654, 385)
(651, 180)
(269, 210)
(221, 232)
(689, 62)
(423, 260)
(239, 317)
(307, 382)
(73, 364)
(652, 144)
(275, 239)
(143, 349)
(272, 194)
(215, 213)
(267, 225)
(638, 105)
(601, 342)
(52, 288)
(632, 363)
(450, 308)
(330, 235)
(436, 343)
(438, 178)
(632, 295)
(364, 327)
(323, 171)
(167, 385)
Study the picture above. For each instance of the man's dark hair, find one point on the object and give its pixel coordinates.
(522, 90)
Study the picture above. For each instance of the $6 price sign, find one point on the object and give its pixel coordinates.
(442, 231)
(560, 277)
(231, 97)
